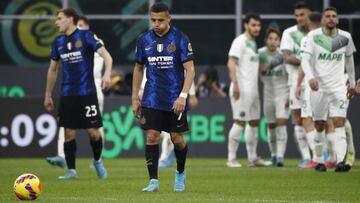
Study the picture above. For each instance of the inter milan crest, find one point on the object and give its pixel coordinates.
(78, 44)
(68, 45)
(171, 47)
(160, 47)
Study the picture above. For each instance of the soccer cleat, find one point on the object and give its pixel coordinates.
(57, 161)
(330, 164)
(320, 167)
(259, 162)
(152, 187)
(273, 161)
(100, 169)
(311, 164)
(303, 163)
(179, 185)
(342, 167)
(233, 164)
(350, 158)
(280, 162)
(70, 174)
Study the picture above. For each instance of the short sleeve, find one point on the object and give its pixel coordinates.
(286, 43)
(139, 53)
(237, 48)
(350, 48)
(54, 53)
(186, 51)
(93, 40)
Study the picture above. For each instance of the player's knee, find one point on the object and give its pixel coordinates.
(254, 123)
(320, 125)
(239, 123)
(69, 134)
(339, 122)
(152, 139)
(272, 125)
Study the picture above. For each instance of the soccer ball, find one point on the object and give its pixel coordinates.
(27, 187)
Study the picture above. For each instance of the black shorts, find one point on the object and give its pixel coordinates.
(154, 119)
(79, 112)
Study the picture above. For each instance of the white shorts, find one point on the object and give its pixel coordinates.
(275, 108)
(306, 110)
(329, 104)
(294, 102)
(247, 107)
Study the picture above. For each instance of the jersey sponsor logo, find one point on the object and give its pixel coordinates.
(160, 47)
(73, 57)
(329, 57)
(160, 58)
(78, 44)
(171, 47)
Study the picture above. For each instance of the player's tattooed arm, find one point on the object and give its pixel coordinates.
(232, 65)
(50, 83)
(290, 59)
(106, 80)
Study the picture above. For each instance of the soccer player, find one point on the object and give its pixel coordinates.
(276, 95)
(243, 64)
(78, 107)
(331, 49)
(166, 52)
(303, 93)
(290, 46)
(59, 160)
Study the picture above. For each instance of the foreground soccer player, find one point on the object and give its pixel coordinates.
(331, 49)
(166, 52)
(79, 107)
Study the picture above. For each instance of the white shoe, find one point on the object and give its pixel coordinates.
(259, 162)
(233, 164)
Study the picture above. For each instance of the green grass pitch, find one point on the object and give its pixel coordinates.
(208, 180)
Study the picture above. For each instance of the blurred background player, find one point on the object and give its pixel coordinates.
(303, 91)
(167, 55)
(276, 94)
(290, 46)
(332, 50)
(167, 148)
(59, 160)
(78, 107)
(243, 64)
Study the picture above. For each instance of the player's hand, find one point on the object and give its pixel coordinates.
(298, 92)
(357, 87)
(106, 82)
(193, 102)
(49, 104)
(264, 67)
(350, 92)
(314, 84)
(236, 91)
(136, 108)
(179, 105)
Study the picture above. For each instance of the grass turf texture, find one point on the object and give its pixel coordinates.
(208, 180)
